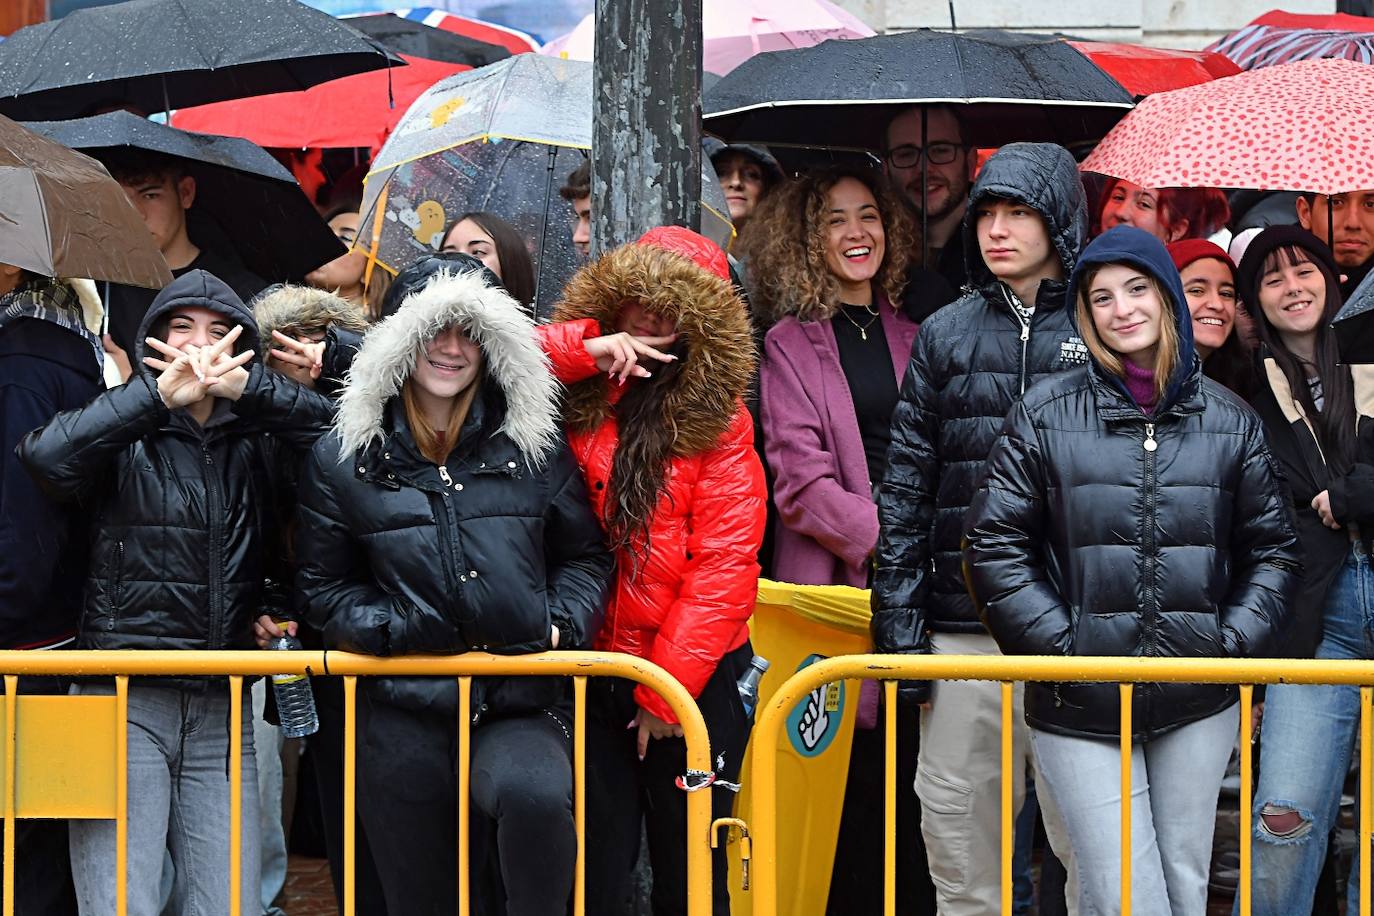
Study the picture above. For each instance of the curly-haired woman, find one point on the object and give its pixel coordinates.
(832, 367)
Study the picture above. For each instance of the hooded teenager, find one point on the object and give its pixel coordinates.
(179, 476)
(1132, 508)
(668, 455)
(1318, 417)
(445, 514)
(972, 359)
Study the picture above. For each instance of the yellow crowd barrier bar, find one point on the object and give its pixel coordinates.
(122, 664)
(350, 776)
(1008, 830)
(890, 803)
(464, 777)
(1366, 760)
(579, 793)
(1125, 671)
(1247, 791)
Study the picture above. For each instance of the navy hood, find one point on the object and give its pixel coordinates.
(1140, 249)
(197, 289)
(1044, 177)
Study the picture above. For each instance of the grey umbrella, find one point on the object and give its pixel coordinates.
(500, 139)
(162, 54)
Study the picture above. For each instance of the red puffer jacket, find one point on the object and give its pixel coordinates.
(684, 603)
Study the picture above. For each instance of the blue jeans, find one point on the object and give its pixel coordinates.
(1175, 781)
(179, 801)
(1308, 734)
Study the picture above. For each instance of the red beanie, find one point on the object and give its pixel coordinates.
(1190, 250)
(705, 253)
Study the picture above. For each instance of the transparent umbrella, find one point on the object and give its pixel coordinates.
(500, 139)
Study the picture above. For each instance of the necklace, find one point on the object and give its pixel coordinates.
(862, 328)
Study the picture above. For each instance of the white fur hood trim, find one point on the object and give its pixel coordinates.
(493, 320)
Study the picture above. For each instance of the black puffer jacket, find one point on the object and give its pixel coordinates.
(183, 530)
(1103, 530)
(971, 360)
(398, 556)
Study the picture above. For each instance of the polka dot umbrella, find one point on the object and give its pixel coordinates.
(1305, 126)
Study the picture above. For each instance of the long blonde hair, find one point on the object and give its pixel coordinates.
(785, 241)
(434, 446)
(1166, 351)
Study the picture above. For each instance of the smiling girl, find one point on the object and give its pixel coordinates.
(1131, 508)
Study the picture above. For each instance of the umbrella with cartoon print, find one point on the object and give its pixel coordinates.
(500, 139)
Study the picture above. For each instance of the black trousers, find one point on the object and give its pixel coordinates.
(524, 844)
(325, 749)
(42, 860)
(623, 792)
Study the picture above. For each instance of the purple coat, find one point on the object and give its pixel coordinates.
(828, 520)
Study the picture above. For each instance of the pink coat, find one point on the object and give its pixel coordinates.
(828, 522)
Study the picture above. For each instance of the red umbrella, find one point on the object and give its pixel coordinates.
(1145, 71)
(1343, 22)
(352, 111)
(1306, 126)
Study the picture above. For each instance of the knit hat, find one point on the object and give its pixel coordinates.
(1269, 241)
(1187, 251)
(759, 155)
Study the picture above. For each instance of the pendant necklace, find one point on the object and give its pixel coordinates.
(862, 328)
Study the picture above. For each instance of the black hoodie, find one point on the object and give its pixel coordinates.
(972, 360)
(183, 531)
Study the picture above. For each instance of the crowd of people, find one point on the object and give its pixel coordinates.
(1034, 412)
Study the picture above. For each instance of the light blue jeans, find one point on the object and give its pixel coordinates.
(1307, 734)
(178, 752)
(1175, 782)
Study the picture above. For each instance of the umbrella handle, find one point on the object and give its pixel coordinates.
(543, 229)
(376, 239)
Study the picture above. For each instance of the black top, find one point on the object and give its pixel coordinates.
(872, 385)
(126, 305)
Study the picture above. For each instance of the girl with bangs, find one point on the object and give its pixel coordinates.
(1316, 415)
(1131, 508)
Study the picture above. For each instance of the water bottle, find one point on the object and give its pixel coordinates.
(295, 700)
(749, 683)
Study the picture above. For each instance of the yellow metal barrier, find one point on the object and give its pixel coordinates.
(1007, 670)
(42, 732)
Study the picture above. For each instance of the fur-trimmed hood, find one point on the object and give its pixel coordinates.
(674, 276)
(494, 321)
(305, 307)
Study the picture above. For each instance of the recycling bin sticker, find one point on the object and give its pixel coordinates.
(815, 720)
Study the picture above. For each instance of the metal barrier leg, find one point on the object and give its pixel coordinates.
(350, 776)
(1008, 823)
(1247, 709)
(1126, 690)
(580, 794)
(890, 802)
(11, 722)
(235, 794)
(1366, 761)
(464, 774)
(121, 795)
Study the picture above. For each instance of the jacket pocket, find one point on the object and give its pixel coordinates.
(114, 584)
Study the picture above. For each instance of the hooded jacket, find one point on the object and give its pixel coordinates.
(184, 532)
(686, 602)
(1102, 530)
(971, 361)
(303, 308)
(488, 552)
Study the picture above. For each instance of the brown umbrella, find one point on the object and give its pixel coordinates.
(62, 215)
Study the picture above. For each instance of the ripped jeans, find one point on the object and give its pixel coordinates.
(1308, 734)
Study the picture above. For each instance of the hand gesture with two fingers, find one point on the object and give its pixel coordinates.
(189, 375)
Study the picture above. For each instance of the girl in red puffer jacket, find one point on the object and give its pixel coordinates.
(668, 454)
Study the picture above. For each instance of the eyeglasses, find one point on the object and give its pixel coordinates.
(908, 156)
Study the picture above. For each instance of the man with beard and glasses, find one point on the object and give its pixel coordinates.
(948, 169)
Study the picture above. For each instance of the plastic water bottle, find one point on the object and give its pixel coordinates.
(749, 683)
(295, 699)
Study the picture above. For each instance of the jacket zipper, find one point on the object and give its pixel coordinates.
(446, 525)
(1150, 445)
(1025, 336)
(212, 510)
(115, 587)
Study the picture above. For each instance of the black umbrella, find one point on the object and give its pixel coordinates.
(243, 196)
(1007, 86)
(406, 36)
(162, 54)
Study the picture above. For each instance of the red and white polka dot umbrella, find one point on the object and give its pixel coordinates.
(1304, 126)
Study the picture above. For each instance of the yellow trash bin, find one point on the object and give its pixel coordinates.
(794, 626)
